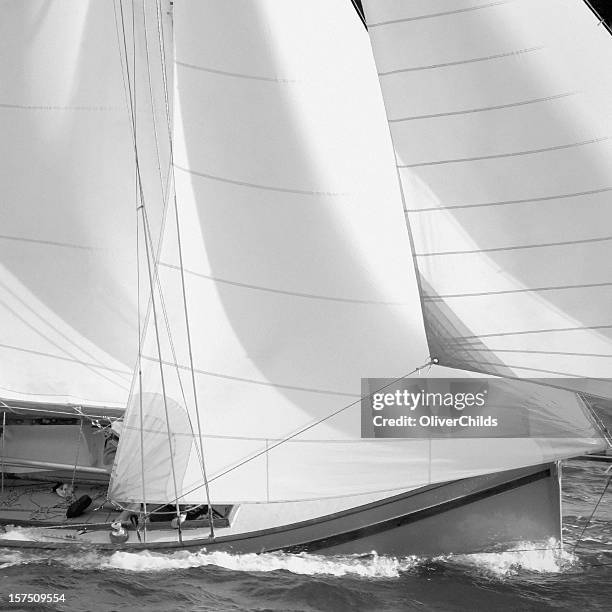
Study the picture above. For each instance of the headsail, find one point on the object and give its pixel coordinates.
(500, 118)
(297, 270)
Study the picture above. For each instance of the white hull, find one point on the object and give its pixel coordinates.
(489, 512)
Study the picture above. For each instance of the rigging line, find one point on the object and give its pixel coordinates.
(311, 426)
(174, 361)
(504, 155)
(517, 247)
(139, 364)
(149, 80)
(2, 450)
(127, 92)
(18, 409)
(441, 14)
(508, 202)
(78, 449)
(164, 193)
(191, 366)
(460, 62)
(131, 113)
(484, 109)
(163, 380)
(180, 253)
(132, 100)
(593, 513)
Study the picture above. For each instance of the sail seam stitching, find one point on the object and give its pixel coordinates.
(531, 331)
(461, 62)
(497, 350)
(70, 359)
(441, 14)
(519, 367)
(258, 186)
(65, 245)
(253, 381)
(518, 247)
(510, 154)
(508, 202)
(283, 292)
(483, 109)
(436, 298)
(238, 75)
(61, 108)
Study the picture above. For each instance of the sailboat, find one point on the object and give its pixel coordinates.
(220, 216)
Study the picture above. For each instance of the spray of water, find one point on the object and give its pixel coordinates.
(525, 557)
(545, 557)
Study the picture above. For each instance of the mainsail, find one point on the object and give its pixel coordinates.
(297, 277)
(67, 238)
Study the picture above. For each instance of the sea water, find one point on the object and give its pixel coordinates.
(532, 576)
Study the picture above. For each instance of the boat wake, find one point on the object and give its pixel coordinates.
(525, 558)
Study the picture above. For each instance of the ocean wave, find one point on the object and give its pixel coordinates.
(370, 566)
(527, 557)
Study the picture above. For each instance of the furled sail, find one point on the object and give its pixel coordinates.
(501, 122)
(297, 279)
(68, 221)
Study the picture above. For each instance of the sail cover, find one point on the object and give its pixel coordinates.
(297, 273)
(501, 122)
(67, 221)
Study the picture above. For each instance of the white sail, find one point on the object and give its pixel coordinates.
(68, 221)
(500, 118)
(297, 271)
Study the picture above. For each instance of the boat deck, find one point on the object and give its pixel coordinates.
(30, 503)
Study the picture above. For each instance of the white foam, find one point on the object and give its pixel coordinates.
(9, 559)
(523, 558)
(546, 557)
(21, 534)
(370, 566)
